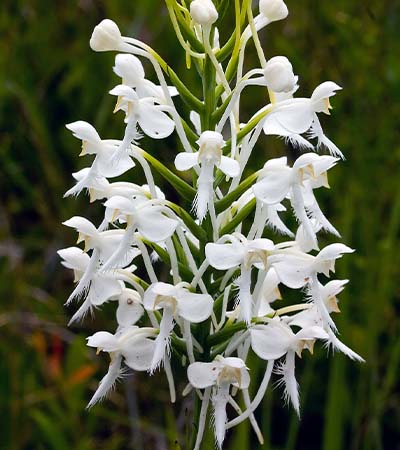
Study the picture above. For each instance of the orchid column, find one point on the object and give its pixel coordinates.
(225, 242)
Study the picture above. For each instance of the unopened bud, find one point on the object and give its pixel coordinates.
(106, 36)
(273, 9)
(203, 12)
(279, 74)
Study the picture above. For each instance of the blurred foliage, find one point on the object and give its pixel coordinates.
(49, 77)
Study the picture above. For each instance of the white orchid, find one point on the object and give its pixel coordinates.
(220, 374)
(130, 308)
(203, 12)
(277, 181)
(209, 156)
(105, 150)
(176, 302)
(144, 111)
(103, 285)
(237, 251)
(272, 341)
(293, 117)
(279, 75)
(313, 316)
(132, 345)
(273, 9)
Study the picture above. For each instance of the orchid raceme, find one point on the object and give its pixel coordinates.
(212, 267)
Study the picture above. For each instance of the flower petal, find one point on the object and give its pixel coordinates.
(103, 288)
(224, 256)
(154, 122)
(154, 226)
(185, 161)
(229, 166)
(271, 341)
(194, 307)
(138, 353)
(202, 375)
(103, 340)
(274, 186)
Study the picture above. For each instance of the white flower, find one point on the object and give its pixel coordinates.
(140, 215)
(275, 340)
(279, 75)
(132, 344)
(209, 156)
(277, 181)
(103, 286)
(104, 242)
(273, 9)
(130, 69)
(219, 374)
(104, 164)
(315, 316)
(242, 253)
(203, 12)
(293, 117)
(144, 111)
(147, 218)
(106, 36)
(295, 268)
(176, 302)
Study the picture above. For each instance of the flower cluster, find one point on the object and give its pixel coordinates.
(228, 256)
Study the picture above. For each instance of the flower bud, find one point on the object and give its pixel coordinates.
(279, 74)
(203, 12)
(273, 9)
(106, 36)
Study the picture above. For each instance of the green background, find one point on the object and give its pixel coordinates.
(49, 77)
